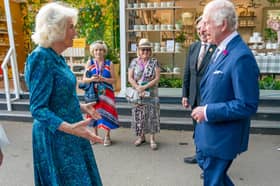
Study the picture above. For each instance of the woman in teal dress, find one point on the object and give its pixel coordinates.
(62, 154)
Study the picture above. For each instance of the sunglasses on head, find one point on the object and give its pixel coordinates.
(99, 42)
(146, 49)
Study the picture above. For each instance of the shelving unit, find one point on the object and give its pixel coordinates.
(76, 60)
(13, 22)
(157, 22)
(4, 39)
(247, 22)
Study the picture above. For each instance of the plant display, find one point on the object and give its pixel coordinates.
(270, 34)
(273, 2)
(270, 83)
(98, 20)
(181, 37)
(170, 82)
(29, 9)
(274, 24)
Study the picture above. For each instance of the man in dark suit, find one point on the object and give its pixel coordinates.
(197, 60)
(229, 95)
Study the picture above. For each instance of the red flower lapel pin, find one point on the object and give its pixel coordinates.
(225, 52)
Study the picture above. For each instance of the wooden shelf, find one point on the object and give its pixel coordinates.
(173, 30)
(164, 36)
(156, 8)
(79, 73)
(4, 32)
(247, 17)
(4, 45)
(167, 52)
(75, 60)
(170, 73)
(244, 27)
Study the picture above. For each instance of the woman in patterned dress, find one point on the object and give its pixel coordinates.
(143, 75)
(62, 154)
(101, 72)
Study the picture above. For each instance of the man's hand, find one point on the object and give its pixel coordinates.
(198, 114)
(185, 102)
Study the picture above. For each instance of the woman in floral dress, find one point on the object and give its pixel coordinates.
(143, 75)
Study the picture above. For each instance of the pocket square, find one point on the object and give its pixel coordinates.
(218, 72)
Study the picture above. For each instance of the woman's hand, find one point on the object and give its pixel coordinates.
(81, 129)
(88, 108)
(102, 79)
(95, 78)
(140, 88)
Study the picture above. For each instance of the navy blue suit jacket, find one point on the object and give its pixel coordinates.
(192, 75)
(230, 90)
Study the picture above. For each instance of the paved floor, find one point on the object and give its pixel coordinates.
(123, 164)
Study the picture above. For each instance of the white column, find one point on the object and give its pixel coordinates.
(12, 45)
(123, 47)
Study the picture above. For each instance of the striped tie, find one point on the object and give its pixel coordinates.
(215, 55)
(201, 54)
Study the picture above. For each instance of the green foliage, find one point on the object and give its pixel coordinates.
(114, 55)
(91, 23)
(98, 20)
(269, 83)
(181, 37)
(170, 82)
(28, 11)
(273, 2)
(270, 34)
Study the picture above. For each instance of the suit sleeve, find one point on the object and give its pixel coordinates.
(244, 76)
(186, 78)
(39, 77)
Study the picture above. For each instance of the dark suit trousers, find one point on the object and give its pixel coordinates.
(214, 170)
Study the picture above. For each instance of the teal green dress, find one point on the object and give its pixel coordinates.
(60, 159)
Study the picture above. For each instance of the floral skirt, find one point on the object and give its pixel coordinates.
(145, 118)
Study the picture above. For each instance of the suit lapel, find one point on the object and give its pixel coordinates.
(207, 57)
(212, 66)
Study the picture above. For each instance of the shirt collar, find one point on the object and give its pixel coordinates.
(222, 46)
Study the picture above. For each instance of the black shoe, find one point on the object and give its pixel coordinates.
(191, 160)
(202, 176)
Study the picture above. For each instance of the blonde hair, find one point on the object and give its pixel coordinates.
(98, 44)
(51, 22)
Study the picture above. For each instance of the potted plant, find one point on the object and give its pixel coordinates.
(273, 2)
(178, 24)
(270, 35)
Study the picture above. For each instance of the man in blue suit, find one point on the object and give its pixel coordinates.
(197, 60)
(229, 95)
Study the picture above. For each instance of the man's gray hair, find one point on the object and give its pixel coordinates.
(222, 10)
